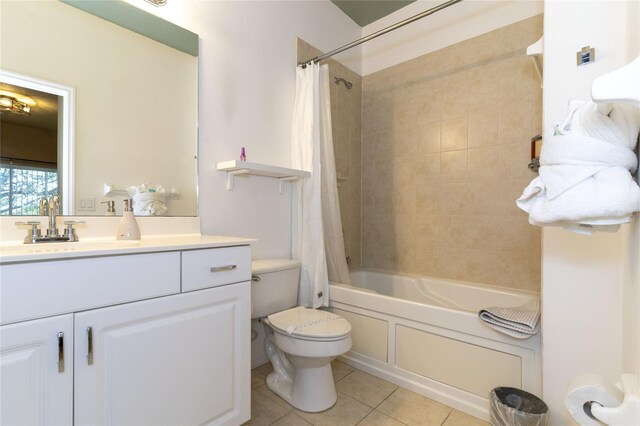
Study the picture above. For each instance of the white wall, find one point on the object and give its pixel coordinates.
(247, 86)
(584, 279)
(631, 319)
(459, 22)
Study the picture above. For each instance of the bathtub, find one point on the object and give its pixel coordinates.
(424, 334)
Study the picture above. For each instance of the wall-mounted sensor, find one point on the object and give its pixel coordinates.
(586, 55)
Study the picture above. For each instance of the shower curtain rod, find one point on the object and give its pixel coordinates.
(381, 32)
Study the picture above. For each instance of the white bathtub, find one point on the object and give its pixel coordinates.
(424, 334)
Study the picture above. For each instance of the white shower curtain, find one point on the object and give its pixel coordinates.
(312, 150)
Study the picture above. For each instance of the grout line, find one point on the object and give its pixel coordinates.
(381, 402)
(279, 418)
(445, 420)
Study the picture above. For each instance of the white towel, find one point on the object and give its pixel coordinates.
(149, 199)
(585, 171)
(520, 322)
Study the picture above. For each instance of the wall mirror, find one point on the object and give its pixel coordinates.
(111, 104)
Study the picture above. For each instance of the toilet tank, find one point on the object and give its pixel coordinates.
(274, 286)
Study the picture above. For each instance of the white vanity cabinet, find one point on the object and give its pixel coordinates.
(144, 356)
(167, 361)
(36, 372)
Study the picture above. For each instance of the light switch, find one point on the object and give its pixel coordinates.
(86, 205)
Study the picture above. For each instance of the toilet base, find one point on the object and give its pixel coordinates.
(304, 382)
(312, 389)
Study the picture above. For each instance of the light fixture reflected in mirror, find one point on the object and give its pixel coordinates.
(157, 2)
(14, 103)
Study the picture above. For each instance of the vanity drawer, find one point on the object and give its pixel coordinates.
(215, 267)
(42, 289)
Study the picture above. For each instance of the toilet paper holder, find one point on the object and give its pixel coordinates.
(627, 413)
(603, 402)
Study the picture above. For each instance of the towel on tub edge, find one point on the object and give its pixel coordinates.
(520, 322)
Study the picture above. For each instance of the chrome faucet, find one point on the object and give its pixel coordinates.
(53, 211)
(50, 208)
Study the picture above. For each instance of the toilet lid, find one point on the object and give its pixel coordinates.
(310, 323)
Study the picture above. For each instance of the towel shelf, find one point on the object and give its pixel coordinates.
(621, 86)
(111, 190)
(235, 168)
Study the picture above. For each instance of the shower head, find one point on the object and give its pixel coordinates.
(347, 84)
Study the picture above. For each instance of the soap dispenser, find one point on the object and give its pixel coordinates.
(111, 208)
(128, 228)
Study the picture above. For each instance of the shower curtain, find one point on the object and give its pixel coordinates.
(317, 239)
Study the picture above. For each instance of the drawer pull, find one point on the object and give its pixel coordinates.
(89, 346)
(61, 352)
(223, 268)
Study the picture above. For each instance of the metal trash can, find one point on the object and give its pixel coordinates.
(515, 407)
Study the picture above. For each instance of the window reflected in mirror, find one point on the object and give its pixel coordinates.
(29, 136)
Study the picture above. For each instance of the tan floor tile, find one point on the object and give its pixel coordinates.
(413, 409)
(457, 418)
(259, 375)
(340, 370)
(264, 411)
(365, 388)
(345, 412)
(292, 419)
(376, 418)
(265, 391)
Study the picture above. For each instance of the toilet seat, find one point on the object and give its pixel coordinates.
(310, 324)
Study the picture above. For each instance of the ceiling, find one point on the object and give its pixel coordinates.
(364, 12)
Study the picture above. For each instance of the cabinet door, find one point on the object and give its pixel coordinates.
(182, 359)
(36, 380)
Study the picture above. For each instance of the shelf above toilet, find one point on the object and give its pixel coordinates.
(283, 174)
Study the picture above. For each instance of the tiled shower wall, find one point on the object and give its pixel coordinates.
(445, 148)
(346, 119)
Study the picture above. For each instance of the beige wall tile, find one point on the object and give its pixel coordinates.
(444, 156)
(429, 137)
(454, 134)
(427, 168)
(483, 128)
(427, 201)
(515, 122)
(453, 166)
(454, 104)
(482, 163)
(430, 108)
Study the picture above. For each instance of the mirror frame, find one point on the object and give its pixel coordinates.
(66, 130)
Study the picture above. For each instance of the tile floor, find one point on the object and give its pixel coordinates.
(363, 400)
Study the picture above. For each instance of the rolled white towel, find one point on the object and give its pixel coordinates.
(148, 199)
(585, 173)
(520, 322)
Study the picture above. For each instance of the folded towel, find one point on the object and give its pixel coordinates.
(585, 171)
(520, 322)
(148, 199)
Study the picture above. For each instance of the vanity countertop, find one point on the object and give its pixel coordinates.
(17, 253)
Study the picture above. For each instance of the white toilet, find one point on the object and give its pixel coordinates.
(299, 342)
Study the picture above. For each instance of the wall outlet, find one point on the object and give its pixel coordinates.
(86, 205)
